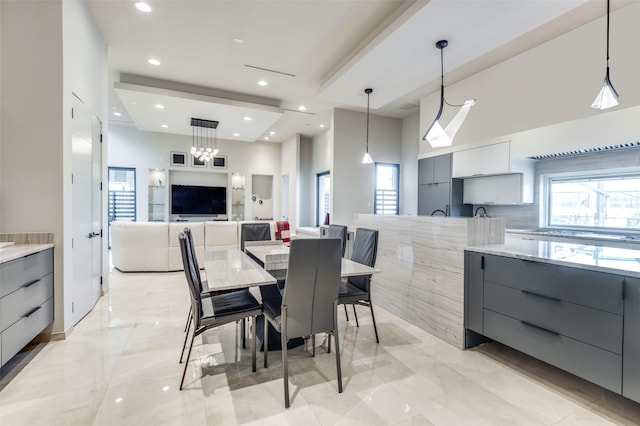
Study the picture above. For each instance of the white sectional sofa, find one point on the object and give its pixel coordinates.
(153, 246)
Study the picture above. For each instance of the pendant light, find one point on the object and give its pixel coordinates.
(367, 158)
(436, 134)
(607, 97)
(204, 143)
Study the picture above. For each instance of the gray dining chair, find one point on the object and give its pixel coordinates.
(337, 231)
(260, 231)
(203, 284)
(216, 310)
(357, 290)
(310, 300)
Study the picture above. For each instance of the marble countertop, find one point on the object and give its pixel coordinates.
(597, 258)
(20, 250)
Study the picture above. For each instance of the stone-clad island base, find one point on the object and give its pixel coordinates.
(421, 259)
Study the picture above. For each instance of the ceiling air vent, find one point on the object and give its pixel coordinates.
(408, 107)
(587, 151)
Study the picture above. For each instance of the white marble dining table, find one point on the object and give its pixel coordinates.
(233, 269)
(276, 258)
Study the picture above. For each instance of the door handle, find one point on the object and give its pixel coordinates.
(93, 235)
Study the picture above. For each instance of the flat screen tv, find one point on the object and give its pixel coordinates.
(198, 200)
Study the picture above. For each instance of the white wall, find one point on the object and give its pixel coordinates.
(552, 83)
(354, 193)
(305, 192)
(50, 50)
(290, 165)
(409, 166)
(321, 161)
(129, 147)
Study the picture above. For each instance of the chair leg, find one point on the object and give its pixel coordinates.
(186, 362)
(265, 340)
(375, 329)
(253, 344)
(355, 315)
(285, 365)
(338, 366)
(244, 333)
(313, 345)
(329, 343)
(184, 345)
(346, 313)
(188, 319)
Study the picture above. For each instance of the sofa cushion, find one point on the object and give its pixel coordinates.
(220, 235)
(140, 246)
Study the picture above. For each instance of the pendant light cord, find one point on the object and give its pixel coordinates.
(608, 34)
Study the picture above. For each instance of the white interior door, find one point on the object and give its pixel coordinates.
(86, 289)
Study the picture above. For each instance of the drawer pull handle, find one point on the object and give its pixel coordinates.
(33, 311)
(540, 328)
(29, 284)
(544, 296)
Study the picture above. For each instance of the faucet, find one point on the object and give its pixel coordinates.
(484, 212)
(438, 210)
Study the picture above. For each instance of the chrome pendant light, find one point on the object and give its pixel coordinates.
(607, 97)
(367, 158)
(436, 134)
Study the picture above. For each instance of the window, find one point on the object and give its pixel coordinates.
(387, 199)
(122, 195)
(323, 191)
(601, 202)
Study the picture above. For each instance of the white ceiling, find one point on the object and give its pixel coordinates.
(325, 54)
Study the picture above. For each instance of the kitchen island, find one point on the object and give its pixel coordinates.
(574, 306)
(421, 259)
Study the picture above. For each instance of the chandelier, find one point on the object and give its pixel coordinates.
(204, 144)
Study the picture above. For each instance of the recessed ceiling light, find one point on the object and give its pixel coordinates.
(247, 118)
(262, 83)
(154, 61)
(238, 40)
(266, 138)
(117, 114)
(164, 126)
(302, 108)
(322, 126)
(236, 134)
(159, 106)
(272, 133)
(142, 6)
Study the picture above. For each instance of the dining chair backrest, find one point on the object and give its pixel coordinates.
(365, 251)
(193, 280)
(192, 250)
(254, 232)
(338, 231)
(312, 285)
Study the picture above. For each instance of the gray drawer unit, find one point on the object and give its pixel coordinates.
(631, 369)
(16, 273)
(588, 325)
(19, 303)
(25, 329)
(599, 366)
(588, 288)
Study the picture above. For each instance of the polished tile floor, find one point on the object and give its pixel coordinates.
(119, 367)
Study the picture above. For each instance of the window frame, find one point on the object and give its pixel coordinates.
(592, 175)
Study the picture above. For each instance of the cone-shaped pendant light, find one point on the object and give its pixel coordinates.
(607, 97)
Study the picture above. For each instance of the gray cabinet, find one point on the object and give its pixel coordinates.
(631, 354)
(436, 189)
(26, 301)
(572, 318)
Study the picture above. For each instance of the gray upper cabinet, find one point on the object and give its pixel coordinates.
(436, 189)
(434, 170)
